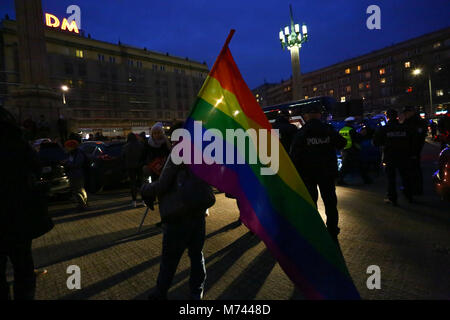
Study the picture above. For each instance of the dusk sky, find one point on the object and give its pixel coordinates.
(198, 28)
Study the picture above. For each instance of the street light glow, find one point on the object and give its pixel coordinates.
(417, 72)
(64, 88)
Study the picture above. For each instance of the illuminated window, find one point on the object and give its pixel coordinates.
(347, 71)
(359, 68)
(361, 85)
(439, 93)
(331, 92)
(348, 88)
(315, 89)
(79, 53)
(342, 99)
(257, 95)
(436, 45)
(383, 80)
(382, 71)
(407, 64)
(306, 97)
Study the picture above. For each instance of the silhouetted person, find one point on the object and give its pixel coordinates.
(418, 129)
(286, 131)
(351, 154)
(75, 167)
(133, 155)
(397, 142)
(23, 213)
(313, 153)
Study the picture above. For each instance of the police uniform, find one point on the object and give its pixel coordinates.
(396, 140)
(351, 153)
(418, 128)
(313, 153)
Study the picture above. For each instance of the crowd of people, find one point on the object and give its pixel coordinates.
(183, 198)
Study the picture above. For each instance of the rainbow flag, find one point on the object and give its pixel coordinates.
(277, 208)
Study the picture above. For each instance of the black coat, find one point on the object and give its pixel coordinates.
(313, 150)
(286, 131)
(23, 212)
(418, 129)
(396, 140)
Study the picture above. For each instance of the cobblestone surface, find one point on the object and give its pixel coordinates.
(410, 244)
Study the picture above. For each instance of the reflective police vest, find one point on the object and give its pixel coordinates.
(345, 132)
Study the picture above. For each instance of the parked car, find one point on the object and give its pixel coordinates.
(106, 165)
(53, 175)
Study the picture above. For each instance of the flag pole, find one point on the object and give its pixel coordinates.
(225, 46)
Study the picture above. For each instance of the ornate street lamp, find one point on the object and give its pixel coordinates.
(292, 39)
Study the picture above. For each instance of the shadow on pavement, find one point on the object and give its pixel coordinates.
(109, 282)
(113, 239)
(92, 213)
(229, 255)
(247, 285)
(226, 228)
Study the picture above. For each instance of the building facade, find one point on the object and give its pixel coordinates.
(109, 88)
(386, 78)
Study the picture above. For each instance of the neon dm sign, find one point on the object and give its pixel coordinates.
(53, 22)
(72, 23)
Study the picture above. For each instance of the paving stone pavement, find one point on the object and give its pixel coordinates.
(410, 244)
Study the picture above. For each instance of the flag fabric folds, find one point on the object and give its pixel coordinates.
(277, 208)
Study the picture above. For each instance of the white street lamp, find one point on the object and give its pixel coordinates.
(64, 89)
(292, 39)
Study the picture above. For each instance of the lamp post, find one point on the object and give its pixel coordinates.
(64, 89)
(417, 72)
(292, 39)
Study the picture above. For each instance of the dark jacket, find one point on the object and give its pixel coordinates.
(287, 132)
(396, 140)
(133, 154)
(313, 150)
(76, 164)
(23, 204)
(151, 153)
(166, 184)
(418, 129)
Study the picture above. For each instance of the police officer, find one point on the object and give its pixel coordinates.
(351, 153)
(418, 128)
(286, 130)
(396, 140)
(313, 152)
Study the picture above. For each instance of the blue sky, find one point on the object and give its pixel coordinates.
(198, 28)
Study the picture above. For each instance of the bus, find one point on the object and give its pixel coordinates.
(293, 109)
